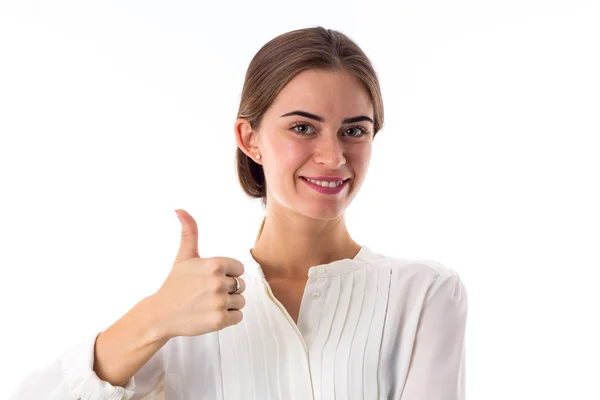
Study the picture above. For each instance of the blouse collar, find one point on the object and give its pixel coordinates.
(335, 268)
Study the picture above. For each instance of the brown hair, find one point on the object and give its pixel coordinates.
(277, 63)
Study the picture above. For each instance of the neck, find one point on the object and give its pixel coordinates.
(290, 244)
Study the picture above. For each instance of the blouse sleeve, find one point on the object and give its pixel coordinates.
(437, 367)
(71, 377)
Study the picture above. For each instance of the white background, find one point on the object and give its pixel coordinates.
(114, 114)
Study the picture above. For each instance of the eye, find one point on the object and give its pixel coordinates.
(303, 129)
(356, 131)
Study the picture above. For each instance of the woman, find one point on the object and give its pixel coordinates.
(323, 317)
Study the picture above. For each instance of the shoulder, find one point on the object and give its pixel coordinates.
(423, 267)
(424, 284)
(427, 274)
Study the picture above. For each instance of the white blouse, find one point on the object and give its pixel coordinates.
(371, 327)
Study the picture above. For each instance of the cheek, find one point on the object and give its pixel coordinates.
(360, 159)
(285, 158)
(289, 155)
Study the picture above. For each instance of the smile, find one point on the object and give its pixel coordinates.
(330, 184)
(326, 187)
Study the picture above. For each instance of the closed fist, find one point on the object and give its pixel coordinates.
(199, 295)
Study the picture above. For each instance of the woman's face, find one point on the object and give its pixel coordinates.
(319, 127)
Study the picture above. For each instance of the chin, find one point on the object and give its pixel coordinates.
(322, 211)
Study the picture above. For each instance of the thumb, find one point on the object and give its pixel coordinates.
(188, 248)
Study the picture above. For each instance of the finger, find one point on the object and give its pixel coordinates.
(232, 266)
(234, 317)
(236, 302)
(188, 247)
(233, 285)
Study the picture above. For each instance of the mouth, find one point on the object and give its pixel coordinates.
(330, 187)
(326, 182)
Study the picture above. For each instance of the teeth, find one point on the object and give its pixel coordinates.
(325, 183)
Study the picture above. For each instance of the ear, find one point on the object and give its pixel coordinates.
(247, 138)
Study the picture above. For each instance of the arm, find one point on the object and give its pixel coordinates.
(437, 367)
(195, 299)
(123, 362)
(124, 348)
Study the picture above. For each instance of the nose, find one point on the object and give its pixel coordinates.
(329, 153)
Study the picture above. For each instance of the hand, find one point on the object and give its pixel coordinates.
(195, 298)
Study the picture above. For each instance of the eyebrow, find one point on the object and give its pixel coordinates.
(321, 119)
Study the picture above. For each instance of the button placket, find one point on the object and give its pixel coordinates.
(319, 283)
(315, 294)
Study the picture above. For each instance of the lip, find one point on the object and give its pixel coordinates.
(326, 178)
(328, 190)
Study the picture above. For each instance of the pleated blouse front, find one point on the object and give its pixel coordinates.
(339, 332)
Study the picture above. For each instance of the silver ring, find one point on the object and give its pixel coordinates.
(237, 285)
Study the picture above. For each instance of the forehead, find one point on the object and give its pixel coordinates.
(337, 94)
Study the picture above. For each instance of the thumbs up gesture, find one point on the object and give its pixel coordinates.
(199, 294)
